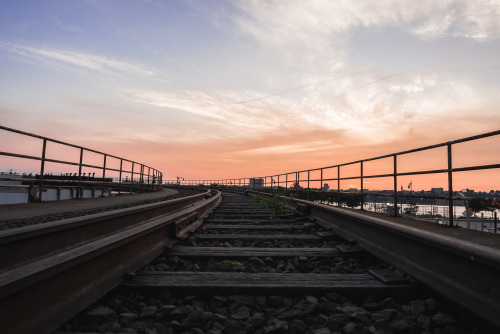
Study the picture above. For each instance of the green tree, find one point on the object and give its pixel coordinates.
(350, 200)
(478, 205)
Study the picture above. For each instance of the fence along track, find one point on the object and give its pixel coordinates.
(71, 263)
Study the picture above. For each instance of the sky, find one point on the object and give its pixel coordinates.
(214, 89)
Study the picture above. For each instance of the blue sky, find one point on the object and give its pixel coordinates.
(206, 89)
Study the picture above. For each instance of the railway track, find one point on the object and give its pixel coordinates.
(243, 272)
(49, 272)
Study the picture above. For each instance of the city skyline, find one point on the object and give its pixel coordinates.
(231, 89)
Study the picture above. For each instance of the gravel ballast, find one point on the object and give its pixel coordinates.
(164, 313)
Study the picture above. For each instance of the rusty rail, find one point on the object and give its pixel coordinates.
(50, 273)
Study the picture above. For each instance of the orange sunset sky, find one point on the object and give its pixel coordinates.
(236, 89)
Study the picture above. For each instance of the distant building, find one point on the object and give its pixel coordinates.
(437, 191)
(326, 187)
(256, 183)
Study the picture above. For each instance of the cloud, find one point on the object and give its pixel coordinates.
(310, 39)
(68, 27)
(365, 107)
(416, 85)
(216, 105)
(327, 23)
(287, 149)
(475, 20)
(78, 59)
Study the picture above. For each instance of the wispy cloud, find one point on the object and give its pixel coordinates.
(68, 27)
(364, 107)
(317, 22)
(217, 105)
(307, 146)
(78, 59)
(475, 20)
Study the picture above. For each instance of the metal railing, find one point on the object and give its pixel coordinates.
(146, 177)
(293, 179)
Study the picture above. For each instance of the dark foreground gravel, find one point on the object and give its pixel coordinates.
(10, 224)
(132, 312)
(164, 312)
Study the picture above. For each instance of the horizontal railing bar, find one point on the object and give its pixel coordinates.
(15, 155)
(434, 171)
(463, 169)
(66, 144)
(485, 135)
(481, 136)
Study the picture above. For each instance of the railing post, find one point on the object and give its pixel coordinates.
(286, 181)
(120, 178)
(141, 178)
(321, 182)
(149, 172)
(362, 190)
(338, 185)
(395, 185)
(450, 187)
(495, 222)
(103, 175)
(308, 186)
(132, 177)
(78, 192)
(42, 169)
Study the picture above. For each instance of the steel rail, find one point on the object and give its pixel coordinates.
(59, 270)
(31, 242)
(462, 271)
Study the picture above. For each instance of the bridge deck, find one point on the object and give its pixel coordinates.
(28, 210)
